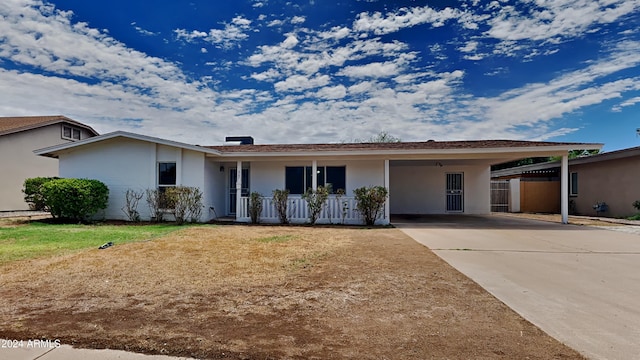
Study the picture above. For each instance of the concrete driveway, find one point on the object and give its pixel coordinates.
(579, 284)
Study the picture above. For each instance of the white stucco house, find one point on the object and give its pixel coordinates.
(431, 177)
(19, 137)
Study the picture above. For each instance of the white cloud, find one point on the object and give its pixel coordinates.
(469, 47)
(628, 102)
(290, 42)
(371, 70)
(332, 92)
(405, 17)
(296, 20)
(556, 19)
(299, 83)
(226, 38)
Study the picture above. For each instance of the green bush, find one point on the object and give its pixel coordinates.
(370, 201)
(184, 202)
(32, 190)
(75, 199)
(636, 204)
(255, 206)
(280, 200)
(315, 202)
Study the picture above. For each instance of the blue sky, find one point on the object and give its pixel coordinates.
(310, 71)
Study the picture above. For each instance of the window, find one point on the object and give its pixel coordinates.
(573, 185)
(70, 133)
(166, 174)
(299, 178)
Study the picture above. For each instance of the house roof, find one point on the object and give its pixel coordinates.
(9, 125)
(424, 145)
(487, 149)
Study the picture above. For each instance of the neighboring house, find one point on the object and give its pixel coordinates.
(19, 137)
(429, 177)
(611, 177)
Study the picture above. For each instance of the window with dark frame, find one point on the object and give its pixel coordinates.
(166, 178)
(573, 184)
(70, 133)
(299, 178)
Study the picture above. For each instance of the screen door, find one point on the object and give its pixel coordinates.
(455, 194)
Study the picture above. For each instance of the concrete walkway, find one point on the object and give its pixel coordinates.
(25, 350)
(579, 284)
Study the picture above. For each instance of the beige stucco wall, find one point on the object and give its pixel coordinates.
(18, 162)
(616, 182)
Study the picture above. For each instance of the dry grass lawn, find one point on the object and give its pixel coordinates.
(245, 292)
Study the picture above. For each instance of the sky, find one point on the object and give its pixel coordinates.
(322, 72)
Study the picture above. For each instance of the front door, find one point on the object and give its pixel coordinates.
(455, 193)
(233, 176)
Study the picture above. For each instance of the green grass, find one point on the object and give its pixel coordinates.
(276, 238)
(34, 240)
(634, 217)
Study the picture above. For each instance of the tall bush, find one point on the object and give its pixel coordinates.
(370, 201)
(255, 206)
(75, 199)
(32, 190)
(155, 201)
(130, 208)
(280, 200)
(184, 202)
(315, 202)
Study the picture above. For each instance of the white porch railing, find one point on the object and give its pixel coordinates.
(337, 210)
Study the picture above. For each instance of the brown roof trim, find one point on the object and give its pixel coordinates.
(425, 145)
(10, 125)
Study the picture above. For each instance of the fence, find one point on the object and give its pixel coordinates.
(337, 210)
(500, 195)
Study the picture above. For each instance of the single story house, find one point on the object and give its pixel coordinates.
(19, 137)
(431, 177)
(610, 178)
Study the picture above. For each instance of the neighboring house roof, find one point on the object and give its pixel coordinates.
(505, 148)
(555, 165)
(9, 125)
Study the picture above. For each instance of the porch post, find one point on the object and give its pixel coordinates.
(238, 190)
(387, 206)
(314, 175)
(564, 189)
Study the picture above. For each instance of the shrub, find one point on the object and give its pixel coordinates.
(184, 202)
(370, 201)
(75, 199)
(33, 192)
(315, 202)
(130, 208)
(155, 201)
(255, 206)
(636, 204)
(280, 200)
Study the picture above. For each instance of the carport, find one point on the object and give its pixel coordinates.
(579, 284)
(455, 177)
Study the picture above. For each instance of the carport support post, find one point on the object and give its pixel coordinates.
(564, 189)
(239, 211)
(314, 175)
(387, 207)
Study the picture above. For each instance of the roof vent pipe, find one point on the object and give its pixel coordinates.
(244, 140)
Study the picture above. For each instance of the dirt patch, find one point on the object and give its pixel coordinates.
(557, 218)
(242, 292)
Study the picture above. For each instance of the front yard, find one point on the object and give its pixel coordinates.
(248, 292)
